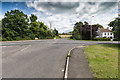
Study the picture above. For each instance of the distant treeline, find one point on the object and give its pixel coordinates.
(18, 26)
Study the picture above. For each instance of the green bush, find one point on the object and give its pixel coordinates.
(116, 39)
(9, 39)
(17, 38)
(0, 38)
(101, 39)
(71, 37)
(76, 37)
(27, 38)
(4, 39)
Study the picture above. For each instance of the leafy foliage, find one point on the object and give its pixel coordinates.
(76, 34)
(101, 39)
(116, 28)
(16, 26)
(0, 30)
(99, 25)
(55, 32)
(33, 18)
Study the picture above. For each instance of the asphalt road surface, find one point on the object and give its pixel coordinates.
(37, 58)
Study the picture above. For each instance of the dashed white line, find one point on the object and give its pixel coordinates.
(25, 48)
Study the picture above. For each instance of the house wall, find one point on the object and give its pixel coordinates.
(99, 33)
(107, 34)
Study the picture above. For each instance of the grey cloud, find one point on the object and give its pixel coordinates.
(103, 7)
(91, 3)
(85, 9)
(69, 7)
(58, 7)
(108, 5)
(61, 0)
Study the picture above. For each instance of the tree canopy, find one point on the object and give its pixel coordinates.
(16, 26)
(83, 31)
(99, 25)
(76, 34)
(116, 27)
(33, 18)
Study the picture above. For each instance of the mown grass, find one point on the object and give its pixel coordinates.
(103, 60)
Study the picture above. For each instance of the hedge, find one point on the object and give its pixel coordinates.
(101, 39)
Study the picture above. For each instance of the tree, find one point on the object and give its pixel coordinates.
(77, 33)
(14, 24)
(43, 33)
(116, 27)
(55, 32)
(0, 30)
(33, 18)
(34, 29)
(99, 25)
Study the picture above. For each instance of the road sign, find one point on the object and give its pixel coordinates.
(54, 31)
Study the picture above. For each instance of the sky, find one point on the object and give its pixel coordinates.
(63, 15)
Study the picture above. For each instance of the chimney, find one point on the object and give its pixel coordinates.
(107, 27)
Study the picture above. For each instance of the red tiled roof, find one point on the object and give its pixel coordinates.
(105, 30)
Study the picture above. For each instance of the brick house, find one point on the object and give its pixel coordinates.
(86, 30)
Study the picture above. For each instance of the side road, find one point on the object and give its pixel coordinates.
(78, 65)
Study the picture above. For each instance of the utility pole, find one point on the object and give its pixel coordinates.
(91, 27)
(50, 27)
(81, 32)
(50, 24)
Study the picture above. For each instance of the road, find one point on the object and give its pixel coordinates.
(37, 58)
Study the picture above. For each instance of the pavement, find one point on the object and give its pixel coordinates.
(78, 66)
(38, 58)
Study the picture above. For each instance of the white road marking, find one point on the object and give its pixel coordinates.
(62, 70)
(25, 48)
(4, 46)
(12, 43)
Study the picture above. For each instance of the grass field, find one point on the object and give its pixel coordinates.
(103, 60)
(65, 36)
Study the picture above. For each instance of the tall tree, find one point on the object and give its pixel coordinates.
(33, 18)
(34, 30)
(116, 27)
(55, 32)
(76, 34)
(0, 30)
(34, 27)
(99, 25)
(14, 24)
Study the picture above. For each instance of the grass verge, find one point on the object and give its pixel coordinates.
(103, 60)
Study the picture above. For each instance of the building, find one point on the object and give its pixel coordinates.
(105, 33)
(110, 28)
(86, 31)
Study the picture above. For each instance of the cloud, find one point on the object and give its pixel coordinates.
(63, 15)
(61, 0)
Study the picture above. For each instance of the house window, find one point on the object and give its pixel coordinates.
(105, 33)
(111, 33)
(108, 33)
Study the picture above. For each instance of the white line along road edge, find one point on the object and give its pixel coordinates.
(67, 62)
